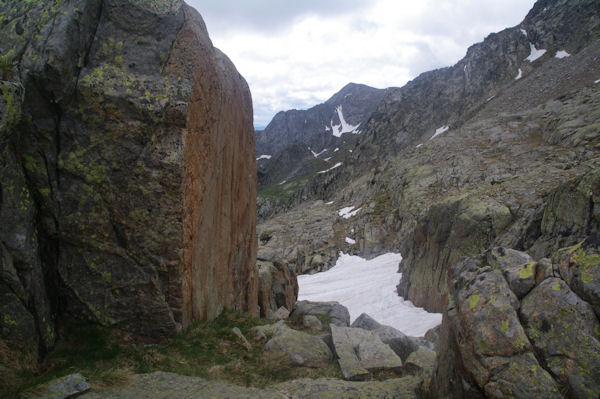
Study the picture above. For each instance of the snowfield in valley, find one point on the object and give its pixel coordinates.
(368, 286)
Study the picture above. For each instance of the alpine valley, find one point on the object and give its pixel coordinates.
(135, 262)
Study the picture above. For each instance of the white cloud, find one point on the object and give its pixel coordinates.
(296, 54)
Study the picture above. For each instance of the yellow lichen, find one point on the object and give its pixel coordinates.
(526, 270)
(473, 301)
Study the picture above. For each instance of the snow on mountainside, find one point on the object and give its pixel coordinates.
(343, 127)
(322, 125)
(368, 286)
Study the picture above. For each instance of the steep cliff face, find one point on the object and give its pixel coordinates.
(128, 169)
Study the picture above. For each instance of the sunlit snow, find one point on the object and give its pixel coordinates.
(329, 203)
(419, 145)
(439, 131)
(263, 157)
(336, 150)
(562, 54)
(597, 81)
(350, 241)
(535, 53)
(519, 75)
(343, 127)
(348, 212)
(332, 168)
(524, 32)
(368, 286)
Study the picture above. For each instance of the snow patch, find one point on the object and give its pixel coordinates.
(419, 145)
(348, 212)
(263, 157)
(350, 241)
(439, 131)
(282, 183)
(327, 159)
(329, 203)
(368, 286)
(490, 99)
(535, 53)
(562, 54)
(343, 127)
(597, 81)
(315, 154)
(336, 150)
(524, 32)
(519, 75)
(337, 165)
(327, 129)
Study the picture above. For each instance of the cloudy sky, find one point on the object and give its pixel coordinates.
(298, 53)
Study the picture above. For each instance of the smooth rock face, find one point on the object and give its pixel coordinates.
(127, 168)
(361, 351)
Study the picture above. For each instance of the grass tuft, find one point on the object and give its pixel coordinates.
(109, 357)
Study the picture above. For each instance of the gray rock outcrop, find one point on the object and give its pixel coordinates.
(333, 312)
(126, 155)
(400, 343)
(495, 343)
(299, 348)
(277, 287)
(361, 351)
(160, 385)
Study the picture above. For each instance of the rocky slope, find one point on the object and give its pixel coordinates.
(500, 150)
(299, 144)
(321, 126)
(127, 197)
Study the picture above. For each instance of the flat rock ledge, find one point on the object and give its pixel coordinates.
(161, 385)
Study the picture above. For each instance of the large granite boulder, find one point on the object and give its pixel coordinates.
(494, 344)
(332, 312)
(127, 159)
(299, 348)
(400, 343)
(361, 351)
